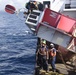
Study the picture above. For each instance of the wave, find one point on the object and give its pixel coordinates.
(17, 46)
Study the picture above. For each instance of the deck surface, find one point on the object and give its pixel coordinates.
(61, 69)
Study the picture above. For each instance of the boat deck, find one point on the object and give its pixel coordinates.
(61, 69)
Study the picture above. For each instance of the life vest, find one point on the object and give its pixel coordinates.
(52, 52)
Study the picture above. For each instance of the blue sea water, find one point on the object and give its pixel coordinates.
(17, 48)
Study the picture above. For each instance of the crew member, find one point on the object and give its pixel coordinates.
(52, 56)
(34, 5)
(43, 52)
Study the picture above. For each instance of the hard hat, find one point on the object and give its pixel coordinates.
(44, 41)
(52, 45)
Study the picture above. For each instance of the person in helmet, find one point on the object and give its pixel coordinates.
(43, 55)
(52, 56)
(33, 5)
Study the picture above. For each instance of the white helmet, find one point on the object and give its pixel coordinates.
(52, 45)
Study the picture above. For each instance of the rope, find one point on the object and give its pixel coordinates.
(21, 16)
(63, 60)
(65, 63)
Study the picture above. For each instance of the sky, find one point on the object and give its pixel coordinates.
(17, 3)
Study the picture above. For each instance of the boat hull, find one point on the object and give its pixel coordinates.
(63, 54)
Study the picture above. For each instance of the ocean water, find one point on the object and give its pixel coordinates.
(17, 47)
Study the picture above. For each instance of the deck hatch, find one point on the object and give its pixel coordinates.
(33, 21)
(36, 13)
(33, 16)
